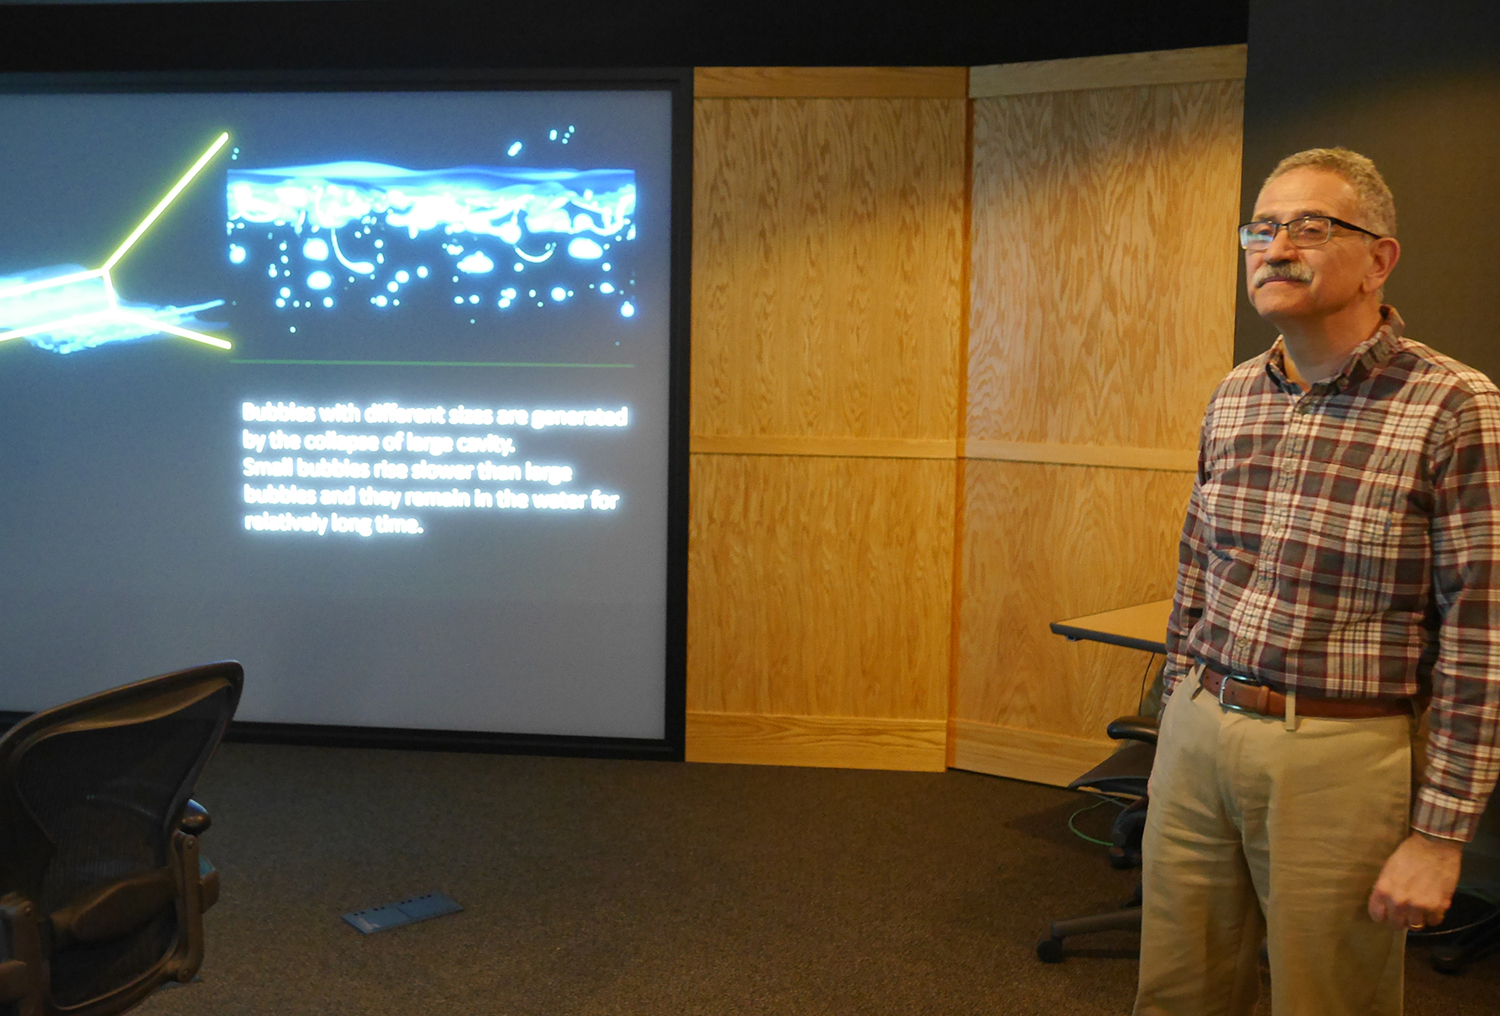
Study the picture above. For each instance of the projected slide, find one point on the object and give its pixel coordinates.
(367, 390)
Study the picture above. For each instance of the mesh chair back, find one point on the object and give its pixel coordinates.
(93, 792)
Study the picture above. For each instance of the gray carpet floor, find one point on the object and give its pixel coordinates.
(616, 887)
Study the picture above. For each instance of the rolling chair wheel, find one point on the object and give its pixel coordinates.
(1447, 961)
(1049, 950)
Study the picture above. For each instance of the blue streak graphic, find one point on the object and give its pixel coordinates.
(79, 316)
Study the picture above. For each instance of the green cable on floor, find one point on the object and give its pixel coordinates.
(1090, 807)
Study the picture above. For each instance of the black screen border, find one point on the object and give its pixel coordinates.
(678, 82)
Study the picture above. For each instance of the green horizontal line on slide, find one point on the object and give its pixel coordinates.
(421, 363)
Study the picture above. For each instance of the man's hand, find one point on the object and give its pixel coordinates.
(1417, 883)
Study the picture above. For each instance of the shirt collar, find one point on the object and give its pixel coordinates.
(1362, 361)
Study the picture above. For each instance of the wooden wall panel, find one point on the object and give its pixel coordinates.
(820, 586)
(1043, 543)
(827, 267)
(837, 742)
(833, 82)
(1102, 278)
(1115, 70)
(1175, 460)
(835, 616)
(1034, 755)
(828, 320)
(845, 447)
(1103, 266)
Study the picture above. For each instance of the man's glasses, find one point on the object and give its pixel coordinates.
(1307, 231)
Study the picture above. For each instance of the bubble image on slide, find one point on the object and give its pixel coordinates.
(487, 242)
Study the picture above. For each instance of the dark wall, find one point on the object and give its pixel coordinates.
(1416, 87)
(427, 34)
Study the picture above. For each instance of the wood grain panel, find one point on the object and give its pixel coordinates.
(1025, 754)
(1117, 456)
(832, 741)
(820, 586)
(1118, 70)
(842, 447)
(1103, 266)
(831, 82)
(1042, 543)
(827, 267)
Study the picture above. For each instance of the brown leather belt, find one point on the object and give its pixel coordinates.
(1248, 697)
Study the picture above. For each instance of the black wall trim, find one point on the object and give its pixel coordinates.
(411, 739)
(315, 735)
(593, 33)
(679, 422)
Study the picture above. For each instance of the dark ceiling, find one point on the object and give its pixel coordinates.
(365, 34)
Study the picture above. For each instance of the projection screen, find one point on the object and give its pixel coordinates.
(380, 392)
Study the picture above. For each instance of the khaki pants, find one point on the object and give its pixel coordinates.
(1257, 830)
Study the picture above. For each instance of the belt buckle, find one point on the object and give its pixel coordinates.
(1238, 679)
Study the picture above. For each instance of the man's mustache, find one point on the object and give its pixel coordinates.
(1293, 271)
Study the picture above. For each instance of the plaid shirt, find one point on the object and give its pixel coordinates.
(1342, 542)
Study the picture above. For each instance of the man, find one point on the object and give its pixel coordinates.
(1337, 573)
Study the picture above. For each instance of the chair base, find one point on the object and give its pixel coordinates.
(1470, 932)
(1127, 918)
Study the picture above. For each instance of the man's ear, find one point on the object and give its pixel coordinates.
(1384, 253)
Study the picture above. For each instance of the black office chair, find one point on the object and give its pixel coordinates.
(1122, 777)
(102, 890)
(1469, 932)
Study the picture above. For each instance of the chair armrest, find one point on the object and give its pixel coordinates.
(195, 822)
(188, 871)
(195, 819)
(1133, 728)
(15, 980)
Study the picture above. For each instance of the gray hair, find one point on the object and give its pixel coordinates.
(1377, 206)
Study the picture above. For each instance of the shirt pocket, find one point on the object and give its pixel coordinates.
(1329, 565)
(1356, 548)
